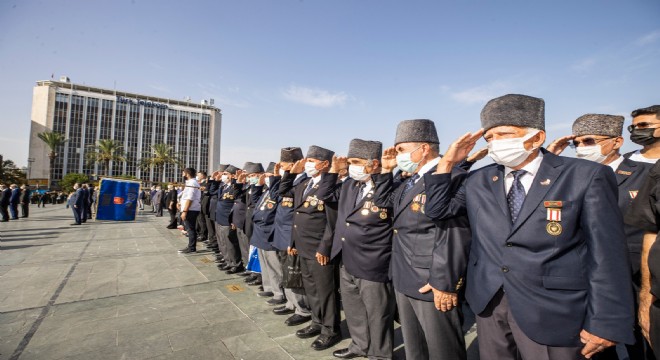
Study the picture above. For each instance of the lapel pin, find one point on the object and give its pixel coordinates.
(495, 178)
(545, 182)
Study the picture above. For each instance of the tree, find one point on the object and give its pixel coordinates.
(10, 174)
(53, 140)
(71, 178)
(104, 151)
(159, 156)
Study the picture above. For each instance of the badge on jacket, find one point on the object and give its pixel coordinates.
(553, 209)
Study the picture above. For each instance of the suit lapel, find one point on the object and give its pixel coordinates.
(624, 171)
(496, 179)
(416, 189)
(355, 191)
(544, 180)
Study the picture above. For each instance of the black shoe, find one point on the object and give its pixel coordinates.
(251, 278)
(295, 320)
(266, 294)
(325, 341)
(306, 332)
(255, 283)
(171, 227)
(235, 270)
(219, 257)
(245, 273)
(187, 251)
(261, 288)
(275, 301)
(345, 354)
(283, 310)
(224, 267)
(220, 261)
(71, 224)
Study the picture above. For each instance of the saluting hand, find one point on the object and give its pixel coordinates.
(593, 344)
(298, 167)
(388, 160)
(262, 180)
(444, 301)
(241, 175)
(276, 169)
(559, 145)
(478, 155)
(338, 163)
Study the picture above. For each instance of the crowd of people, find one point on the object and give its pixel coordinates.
(535, 243)
(11, 198)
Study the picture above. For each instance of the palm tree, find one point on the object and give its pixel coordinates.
(106, 150)
(53, 140)
(159, 156)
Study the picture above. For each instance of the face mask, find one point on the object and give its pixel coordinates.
(254, 180)
(510, 152)
(357, 173)
(281, 172)
(267, 181)
(310, 169)
(643, 137)
(591, 153)
(224, 178)
(405, 163)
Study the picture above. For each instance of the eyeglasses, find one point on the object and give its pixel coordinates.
(642, 125)
(587, 142)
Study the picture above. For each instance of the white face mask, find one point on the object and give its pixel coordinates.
(267, 181)
(591, 153)
(281, 172)
(224, 178)
(310, 169)
(510, 152)
(405, 162)
(357, 173)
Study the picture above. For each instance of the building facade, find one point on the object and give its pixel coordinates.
(86, 114)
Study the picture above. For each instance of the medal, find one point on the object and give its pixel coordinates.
(364, 212)
(414, 207)
(553, 228)
(262, 208)
(633, 193)
(320, 207)
(374, 208)
(306, 204)
(383, 215)
(270, 205)
(314, 202)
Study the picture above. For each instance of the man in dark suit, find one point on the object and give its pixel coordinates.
(5, 195)
(548, 273)
(598, 137)
(311, 239)
(14, 200)
(296, 300)
(202, 230)
(429, 256)
(212, 185)
(363, 236)
(225, 231)
(84, 207)
(76, 202)
(25, 201)
(170, 204)
(242, 214)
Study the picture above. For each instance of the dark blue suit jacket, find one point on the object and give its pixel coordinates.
(556, 285)
(224, 204)
(284, 217)
(363, 233)
(15, 196)
(263, 218)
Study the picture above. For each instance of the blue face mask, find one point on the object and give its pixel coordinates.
(405, 163)
(254, 180)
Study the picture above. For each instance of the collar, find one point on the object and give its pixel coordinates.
(532, 168)
(428, 166)
(616, 163)
(316, 179)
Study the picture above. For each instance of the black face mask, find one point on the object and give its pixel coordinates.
(643, 136)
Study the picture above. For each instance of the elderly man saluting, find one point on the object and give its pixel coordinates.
(548, 273)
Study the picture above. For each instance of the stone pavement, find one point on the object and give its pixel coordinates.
(117, 290)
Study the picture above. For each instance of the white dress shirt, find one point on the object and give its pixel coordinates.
(526, 179)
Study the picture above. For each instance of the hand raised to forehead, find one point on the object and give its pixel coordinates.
(338, 163)
(298, 167)
(388, 160)
(559, 145)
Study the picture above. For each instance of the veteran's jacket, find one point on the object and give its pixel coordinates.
(263, 218)
(252, 195)
(426, 249)
(284, 216)
(224, 203)
(313, 218)
(212, 187)
(363, 232)
(563, 264)
(630, 176)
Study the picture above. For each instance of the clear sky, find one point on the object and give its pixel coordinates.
(297, 73)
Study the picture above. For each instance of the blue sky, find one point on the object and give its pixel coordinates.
(297, 73)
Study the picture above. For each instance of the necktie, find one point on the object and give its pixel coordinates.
(360, 193)
(516, 195)
(264, 196)
(309, 187)
(409, 185)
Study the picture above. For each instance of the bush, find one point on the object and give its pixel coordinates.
(70, 179)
